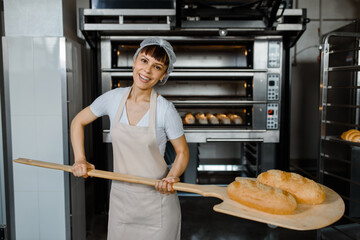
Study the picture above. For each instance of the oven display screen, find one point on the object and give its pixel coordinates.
(274, 54)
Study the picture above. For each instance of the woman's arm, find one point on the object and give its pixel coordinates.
(178, 167)
(83, 118)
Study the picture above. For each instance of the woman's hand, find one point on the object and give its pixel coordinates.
(165, 185)
(81, 167)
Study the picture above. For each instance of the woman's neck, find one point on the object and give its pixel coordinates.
(139, 95)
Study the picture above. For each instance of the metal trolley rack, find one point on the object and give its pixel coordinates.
(339, 160)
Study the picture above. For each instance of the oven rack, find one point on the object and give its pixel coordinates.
(339, 160)
(337, 139)
(215, 102)
(211, 126)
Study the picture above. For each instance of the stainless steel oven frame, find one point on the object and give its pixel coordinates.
(259, 73)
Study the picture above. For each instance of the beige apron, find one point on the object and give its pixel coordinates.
(139, 211)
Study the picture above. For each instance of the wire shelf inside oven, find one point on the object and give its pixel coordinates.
(242, 120)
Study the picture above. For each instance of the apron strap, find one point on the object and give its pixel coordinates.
(121, 106)
(152, 116)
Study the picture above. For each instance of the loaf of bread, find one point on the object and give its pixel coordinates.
(189, 119)
(223, 118)
(201, 118)
(352, 135)
(261, 197)
(212, 119)
(236, 119)
(303, 189)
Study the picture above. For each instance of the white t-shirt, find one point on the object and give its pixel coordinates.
(168, 122)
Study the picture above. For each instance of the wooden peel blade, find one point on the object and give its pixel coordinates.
(305, 217)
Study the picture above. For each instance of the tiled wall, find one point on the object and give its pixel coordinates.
(33, 18)
(306, 71)
(36, 81)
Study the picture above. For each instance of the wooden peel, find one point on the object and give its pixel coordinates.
(305, 217)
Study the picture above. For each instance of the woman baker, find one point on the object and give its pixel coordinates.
(141, 123)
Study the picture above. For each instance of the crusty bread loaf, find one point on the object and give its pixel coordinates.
(212, 119)
(261, 197)
(351, 135)
(189, 119)
(223, 118)
(303, 189)
(236, 119)
(201, 118)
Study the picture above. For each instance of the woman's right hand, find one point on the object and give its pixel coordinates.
(81, 168)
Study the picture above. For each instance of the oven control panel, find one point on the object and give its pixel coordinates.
(272, 120)
(273, 81)
(274, 54)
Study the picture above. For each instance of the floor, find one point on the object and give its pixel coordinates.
(199, 221)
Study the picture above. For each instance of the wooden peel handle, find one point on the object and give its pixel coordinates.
(91, 173)
(186, 187)
(43, 164)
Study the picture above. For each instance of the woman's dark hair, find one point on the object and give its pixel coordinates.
(156, 52)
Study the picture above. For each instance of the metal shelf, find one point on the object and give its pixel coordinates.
(351, 125)
(344, 50)
(344, 68)
(339, 177)
(340, 105)
(339, 140)
(336, 87)
(339, 160)
(328, 157)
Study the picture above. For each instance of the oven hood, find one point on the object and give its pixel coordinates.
(210, 18)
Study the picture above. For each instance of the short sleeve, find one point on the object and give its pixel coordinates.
(173, 124)
(101, 106)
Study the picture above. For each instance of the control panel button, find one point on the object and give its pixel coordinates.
(273, 86)
(272, 119)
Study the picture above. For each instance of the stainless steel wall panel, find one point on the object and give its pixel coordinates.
(260, 54)
(73, 106)
(260, 87)
(7, 202)
(3, 195)
(107, 81)
(259, 117)
(106, 52)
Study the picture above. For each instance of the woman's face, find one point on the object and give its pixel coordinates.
(147, 71)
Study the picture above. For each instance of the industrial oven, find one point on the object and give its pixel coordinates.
(232, 59)
(238, 75)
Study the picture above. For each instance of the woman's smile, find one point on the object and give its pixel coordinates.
(144, 78)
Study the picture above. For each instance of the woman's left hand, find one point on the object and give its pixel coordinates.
(165, 185)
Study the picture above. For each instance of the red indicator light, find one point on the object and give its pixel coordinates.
(271, 111)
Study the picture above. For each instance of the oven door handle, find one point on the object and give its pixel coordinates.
(191, 74)
(211, 74)
(234, 140)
